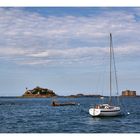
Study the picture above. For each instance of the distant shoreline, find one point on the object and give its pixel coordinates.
(39, 92)
(66, 96)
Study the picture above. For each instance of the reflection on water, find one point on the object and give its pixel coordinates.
(94, 120)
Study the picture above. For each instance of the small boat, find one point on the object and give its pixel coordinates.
(102, 97)
(108, 109)
(54, 103)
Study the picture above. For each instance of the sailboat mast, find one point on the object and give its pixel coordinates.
(116, 80)
(110, 100)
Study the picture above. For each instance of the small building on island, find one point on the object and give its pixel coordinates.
(129, 93)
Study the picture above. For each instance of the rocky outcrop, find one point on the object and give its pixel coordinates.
(39, 92)
(83, 95)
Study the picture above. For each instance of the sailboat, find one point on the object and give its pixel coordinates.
(108, 109)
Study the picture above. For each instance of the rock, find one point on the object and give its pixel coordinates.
(39, 92)
(83, 95)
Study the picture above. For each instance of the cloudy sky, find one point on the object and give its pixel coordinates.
(67, 49)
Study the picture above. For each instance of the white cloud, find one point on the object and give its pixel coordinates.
(71, 53)
(12, 51)
(65, 39)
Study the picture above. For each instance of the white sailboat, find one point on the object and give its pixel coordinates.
(108, 109)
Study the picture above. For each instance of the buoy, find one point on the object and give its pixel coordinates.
(128, 113)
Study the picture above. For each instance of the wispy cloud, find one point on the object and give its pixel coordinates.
(41, 40)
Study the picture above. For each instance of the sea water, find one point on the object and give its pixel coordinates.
(36, 115)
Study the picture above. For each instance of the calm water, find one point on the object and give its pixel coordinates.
(20, 115)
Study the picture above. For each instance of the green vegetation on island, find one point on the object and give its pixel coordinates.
(39, 92)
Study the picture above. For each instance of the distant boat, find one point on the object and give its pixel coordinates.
(102, 97)
(108, 109)
(54, 103)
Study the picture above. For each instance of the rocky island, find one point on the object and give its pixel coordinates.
(46, 93)
(39, 92)
(83, 95)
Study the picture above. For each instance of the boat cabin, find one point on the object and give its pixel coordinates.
(104, 106)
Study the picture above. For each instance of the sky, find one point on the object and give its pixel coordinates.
(67, 49)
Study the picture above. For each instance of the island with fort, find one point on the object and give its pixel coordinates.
(39, 92)
(129, 93)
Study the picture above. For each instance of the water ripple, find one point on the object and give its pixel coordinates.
(19, 115)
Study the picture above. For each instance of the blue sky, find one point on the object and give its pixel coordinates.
(67, 49)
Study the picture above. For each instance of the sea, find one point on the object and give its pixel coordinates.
(36, 115)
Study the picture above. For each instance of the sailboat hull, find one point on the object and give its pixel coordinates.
(105, 112)
(95, 112)
(110, 113)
